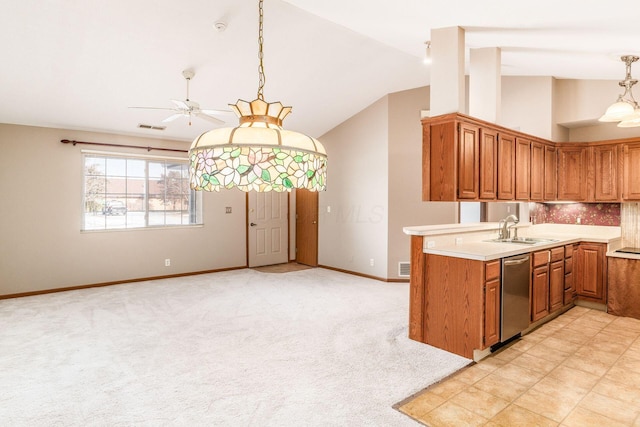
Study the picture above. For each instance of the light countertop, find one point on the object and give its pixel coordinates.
(469, 240)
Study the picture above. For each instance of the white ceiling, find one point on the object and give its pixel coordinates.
(79, 64)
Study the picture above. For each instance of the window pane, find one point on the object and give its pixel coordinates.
(116, 167)
(136, 168)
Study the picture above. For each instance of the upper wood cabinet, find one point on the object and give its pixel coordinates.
(488, 164)
(506, 166)
(605, 168)
(631, 172)
(462, 160)
(550, 173)
(573, 164)
(523, 168)
(536, 180)
(469, 159)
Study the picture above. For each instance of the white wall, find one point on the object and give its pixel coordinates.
(42, 247)
(355, 231)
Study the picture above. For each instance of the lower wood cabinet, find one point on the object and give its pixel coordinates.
(547, 282)
(590, 272)
(461, 303)
(492, 303)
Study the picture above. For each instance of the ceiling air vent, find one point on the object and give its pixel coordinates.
(404, 269)
(143, 126)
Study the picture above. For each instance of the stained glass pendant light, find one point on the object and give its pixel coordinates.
(258, 154)
(625, 110)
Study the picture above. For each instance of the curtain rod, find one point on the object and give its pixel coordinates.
(104, 144)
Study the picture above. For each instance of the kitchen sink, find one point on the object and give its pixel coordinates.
(523, 240)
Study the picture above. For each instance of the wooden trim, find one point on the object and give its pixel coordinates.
(117, 282)
(426, 162)
(368, 276)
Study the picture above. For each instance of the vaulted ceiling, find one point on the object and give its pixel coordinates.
(80, 64)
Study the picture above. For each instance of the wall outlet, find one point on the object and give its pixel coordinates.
(227, 209)
(371, 262)
(167, 262)
(458, 240)
(431, 244)
(328, 209)
(578, 221)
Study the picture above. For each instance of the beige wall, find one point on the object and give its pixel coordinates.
(406, 207)
(527, 105)
(42, 247)
(355, 231)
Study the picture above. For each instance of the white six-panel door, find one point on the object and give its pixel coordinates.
(268, 228)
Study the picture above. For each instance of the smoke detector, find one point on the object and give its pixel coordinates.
(220, 26)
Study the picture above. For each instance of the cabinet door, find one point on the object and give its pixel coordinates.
(550, 173)
(468, 161)
(556, 285)
(590, 272)
(488, 164)
(572, 173)
(569, 289)
(537, 171)
(540, 293)
(492, 313)
(631, 172)
(523, 168)
(506, 166)
(605, 173)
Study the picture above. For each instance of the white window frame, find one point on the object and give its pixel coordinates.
(142, 207)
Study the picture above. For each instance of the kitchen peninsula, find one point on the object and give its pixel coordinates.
(457, 279)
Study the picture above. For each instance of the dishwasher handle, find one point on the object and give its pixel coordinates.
(516, 261)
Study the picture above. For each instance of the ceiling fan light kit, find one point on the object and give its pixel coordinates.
(625, 110)
(258, 154)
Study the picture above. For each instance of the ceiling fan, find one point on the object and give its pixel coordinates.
(188, 108)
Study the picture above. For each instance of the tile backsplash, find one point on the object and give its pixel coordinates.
(575, 213)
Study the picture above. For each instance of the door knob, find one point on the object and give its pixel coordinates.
(253, 224)
(314, 222)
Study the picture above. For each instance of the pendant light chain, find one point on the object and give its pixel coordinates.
(261, 76)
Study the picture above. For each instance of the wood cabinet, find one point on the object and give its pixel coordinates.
(590, 272)
(460, 300)
(605, 178)
(488, 164)
(556, 279)
(492, 303)
(468, 161)
(539, 285)
(523, 168)
(550, 173)
(547, 282)
(536, 178)
(573, 163)
(506, 166)
(631, 172)
(569, 288)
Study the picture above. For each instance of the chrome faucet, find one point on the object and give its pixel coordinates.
(505, 229)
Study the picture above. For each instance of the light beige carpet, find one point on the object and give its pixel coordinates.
(238, 348)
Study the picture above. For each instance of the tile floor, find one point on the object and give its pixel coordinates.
(580, 369)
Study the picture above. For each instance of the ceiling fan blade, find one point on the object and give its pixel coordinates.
(181, 104)
(212, 112)
(205, 116)
(172, 117)
(155, 108)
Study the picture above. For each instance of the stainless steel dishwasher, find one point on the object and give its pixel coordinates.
(515, 296)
